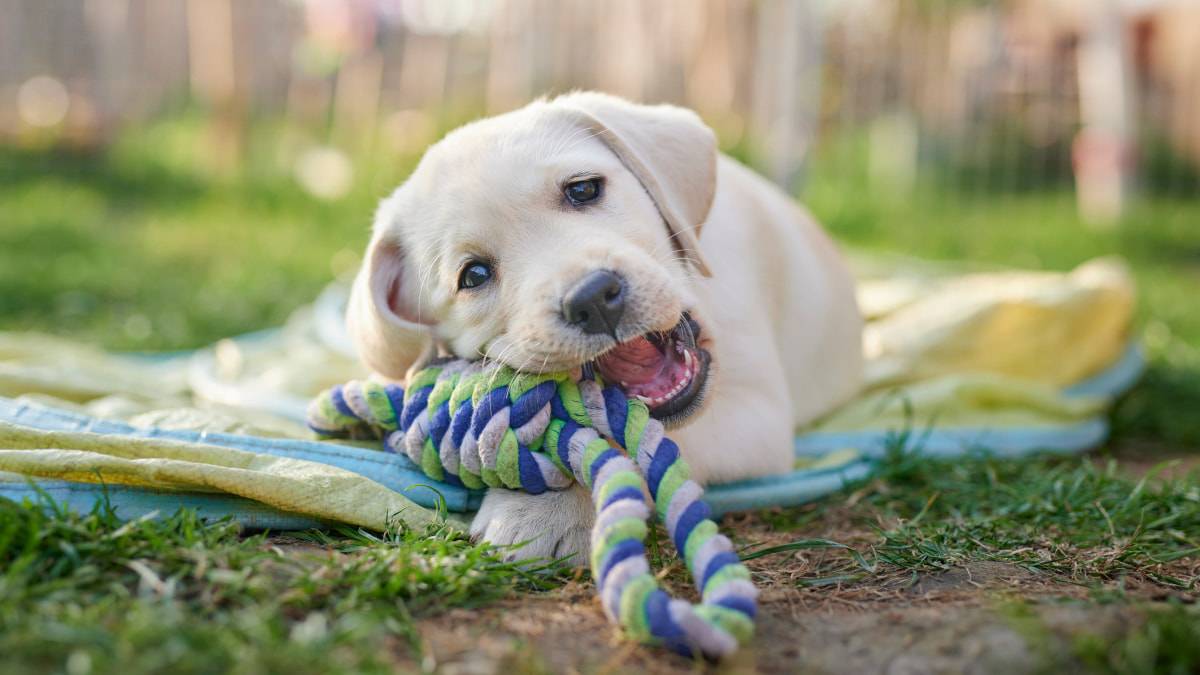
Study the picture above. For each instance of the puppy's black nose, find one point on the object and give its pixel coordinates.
(595, 303)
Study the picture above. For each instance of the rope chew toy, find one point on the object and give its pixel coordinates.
(482, 424)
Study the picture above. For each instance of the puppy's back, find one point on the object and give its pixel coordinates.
(771, 257)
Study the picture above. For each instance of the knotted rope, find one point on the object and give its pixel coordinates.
(476, 425)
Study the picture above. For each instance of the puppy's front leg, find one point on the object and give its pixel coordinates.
(556, 523)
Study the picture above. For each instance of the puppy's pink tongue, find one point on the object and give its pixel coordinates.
(637, 361)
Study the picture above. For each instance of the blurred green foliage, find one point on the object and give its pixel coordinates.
(139, 248)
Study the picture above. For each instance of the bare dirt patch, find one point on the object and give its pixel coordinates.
(971, 619)
(979, 617)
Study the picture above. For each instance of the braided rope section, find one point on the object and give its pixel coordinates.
(480, 425)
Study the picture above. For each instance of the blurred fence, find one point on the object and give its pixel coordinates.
(1004, 95)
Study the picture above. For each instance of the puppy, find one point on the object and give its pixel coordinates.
(587, 229)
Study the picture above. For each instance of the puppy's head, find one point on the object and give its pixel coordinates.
(562, 234)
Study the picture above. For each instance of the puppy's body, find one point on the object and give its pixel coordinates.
(706, 287)
(787, 333)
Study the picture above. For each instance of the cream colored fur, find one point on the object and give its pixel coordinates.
(688, 229)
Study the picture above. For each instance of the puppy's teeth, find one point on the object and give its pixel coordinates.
(659, 399)
(687, 359)
(624, 383)
(643, 399)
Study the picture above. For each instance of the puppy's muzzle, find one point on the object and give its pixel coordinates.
(596, 303)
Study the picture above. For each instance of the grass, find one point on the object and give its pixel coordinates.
(136, 249)
(90, 593)
(185, 596)
(1074, 519)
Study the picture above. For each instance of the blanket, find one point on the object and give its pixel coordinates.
(1007, 360)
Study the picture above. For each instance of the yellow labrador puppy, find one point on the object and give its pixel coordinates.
(590, 229)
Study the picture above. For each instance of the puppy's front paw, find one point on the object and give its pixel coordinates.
(556, 523)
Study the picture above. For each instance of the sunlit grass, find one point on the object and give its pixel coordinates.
(1070, 518)
(183, 596)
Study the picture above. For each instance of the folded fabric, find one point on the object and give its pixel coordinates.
(986, 413)
(957, 360)
(288, 484)
(1037, 326)
(395, 472)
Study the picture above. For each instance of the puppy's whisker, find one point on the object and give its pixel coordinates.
(428, 269)
(423, 280)
(687, 328)
(654, 252)
(667, 256)
(580, 141)
(572, 140)
(525, 363)
(558, 141)
(676, 251)
(662, 256)
(501, 359)
(561, 144)
(670, 257)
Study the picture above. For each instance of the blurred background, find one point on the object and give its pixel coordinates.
(176, 171)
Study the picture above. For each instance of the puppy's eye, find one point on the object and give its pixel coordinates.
(583, 191)
(474, 274)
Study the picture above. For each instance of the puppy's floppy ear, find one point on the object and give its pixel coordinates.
(383, 316)
(669, 150)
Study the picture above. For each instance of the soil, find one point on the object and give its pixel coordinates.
(1139, 457)
(980, 617)
(964, 620)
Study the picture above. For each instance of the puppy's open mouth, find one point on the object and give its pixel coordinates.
(665, 370)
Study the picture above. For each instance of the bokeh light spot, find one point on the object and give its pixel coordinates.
(43, 101)
(325, 173)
